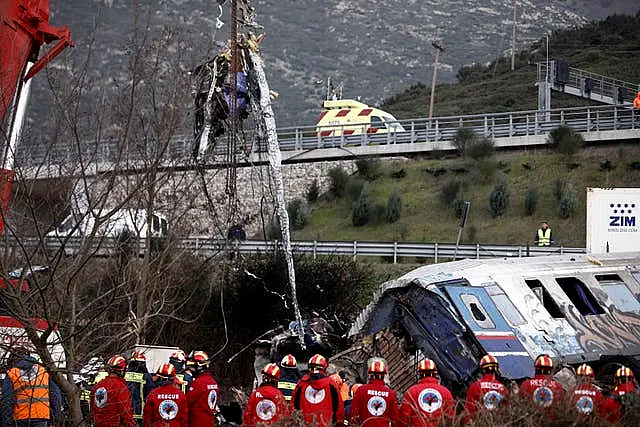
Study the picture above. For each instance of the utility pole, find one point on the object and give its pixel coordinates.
(513, 37)
(439, 49)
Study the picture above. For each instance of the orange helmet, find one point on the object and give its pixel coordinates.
(178, 356)
(585, 370)
(167, 371)
(318, 363)
(139, 356)
(117, 364)
(271, 370)
(426, 365)
(543, 361)
(377, 367)
(289, 361)
(488, 361)
(624, 372)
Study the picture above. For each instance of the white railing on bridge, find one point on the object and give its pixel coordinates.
(307, 138)
(204, 246)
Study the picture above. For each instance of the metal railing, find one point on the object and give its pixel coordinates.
(205, 246)
(427, 135)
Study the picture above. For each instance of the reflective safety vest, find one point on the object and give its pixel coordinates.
(138, 378)
(287, 387)
(544, 237)
(183, 383)
(31, 395)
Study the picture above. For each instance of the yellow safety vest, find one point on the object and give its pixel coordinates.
(31, 396)
(286, 387)
(544, 237)
(136, 377)
(183, 383)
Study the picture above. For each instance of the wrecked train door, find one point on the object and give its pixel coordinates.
(491, 329)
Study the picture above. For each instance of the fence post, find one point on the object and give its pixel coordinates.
(519, 251)
(355, 250)
(395, 252)
(528, 250)
(561, 250)
(477, 250)
(315, 248)
(435, 252)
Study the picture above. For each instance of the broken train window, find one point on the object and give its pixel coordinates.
(580, 296)
(618, 292)
(478, 311)
(545, 298)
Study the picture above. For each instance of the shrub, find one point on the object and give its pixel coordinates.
(354, 188)
(472, 231)
(480, 148)
(565, 140)
(487, 170)
(449, 191)
(398, 173)
(298, 214)
(338, 181)
(361, 212)
(394, 206)
(558, 188)
(568, 202)
(369, 169)
(458, 205)
(378, 214)
(499, 200)
(313, 192)
(464, 136)
(530, 201)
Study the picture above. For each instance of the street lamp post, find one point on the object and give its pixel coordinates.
(439, 49)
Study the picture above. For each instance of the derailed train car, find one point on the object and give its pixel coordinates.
(575, 308)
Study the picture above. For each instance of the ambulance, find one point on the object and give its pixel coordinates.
(350, 117)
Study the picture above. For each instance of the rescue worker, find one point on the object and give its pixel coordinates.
(374, 404)
(544, 235)
(585, 396)
(266, 405)
(544, 391)
(178, 359)
(91, 373)
(111, 399)
(636, 101)
(623, 396)
(488, 393)
(428, 402)
(140, 383)
(166, 405)
(341, 384)
(289, 376)
(29, 395)
(202, 395)
(349, 401)
(318, 397)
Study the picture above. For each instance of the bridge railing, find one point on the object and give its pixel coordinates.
(303, 138)
(204, 246)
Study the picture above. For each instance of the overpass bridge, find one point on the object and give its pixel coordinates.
(518, 129)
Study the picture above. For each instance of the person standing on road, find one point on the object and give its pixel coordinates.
(544, 235)
(266, 404)
(636, 101)
(111, 399)
(427, 403)
(166, 405)
(318, 397)
(29, 395)
(202, 395)
(374, 404)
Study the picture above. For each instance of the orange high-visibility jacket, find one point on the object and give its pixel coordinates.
(31, 396)
(636, 101)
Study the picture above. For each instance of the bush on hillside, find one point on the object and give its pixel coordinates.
(449, 191)
(394, 206)
(338, 179)
(354, 187)
(299, 214)
(558, 188)
(480, 147)
(530, 201)
(565, 140)
(458, 205)
(463, 137)
(369, 169)
(568, 203)
(313, 192)
(361, 211)
(499, 200)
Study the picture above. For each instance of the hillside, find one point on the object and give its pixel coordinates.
(609, 47)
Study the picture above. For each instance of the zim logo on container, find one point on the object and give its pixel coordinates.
(621, 215)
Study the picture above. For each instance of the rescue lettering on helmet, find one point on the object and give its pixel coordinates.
(378, 393)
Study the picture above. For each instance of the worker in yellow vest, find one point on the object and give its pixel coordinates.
(544, 235)
(29, 395)
(139, 382)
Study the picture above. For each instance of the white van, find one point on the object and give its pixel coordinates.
(132, 220)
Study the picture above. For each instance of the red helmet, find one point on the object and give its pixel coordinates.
(167, 371)
(271, 370)
(377, 367)
(488, 361)
(318, 363)
(289, 361)
(624, 372)
(117, 363)
(139, 356)
(178, 356)
(585, 370)
(543, 361)
(427, 365)
(198, 360)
